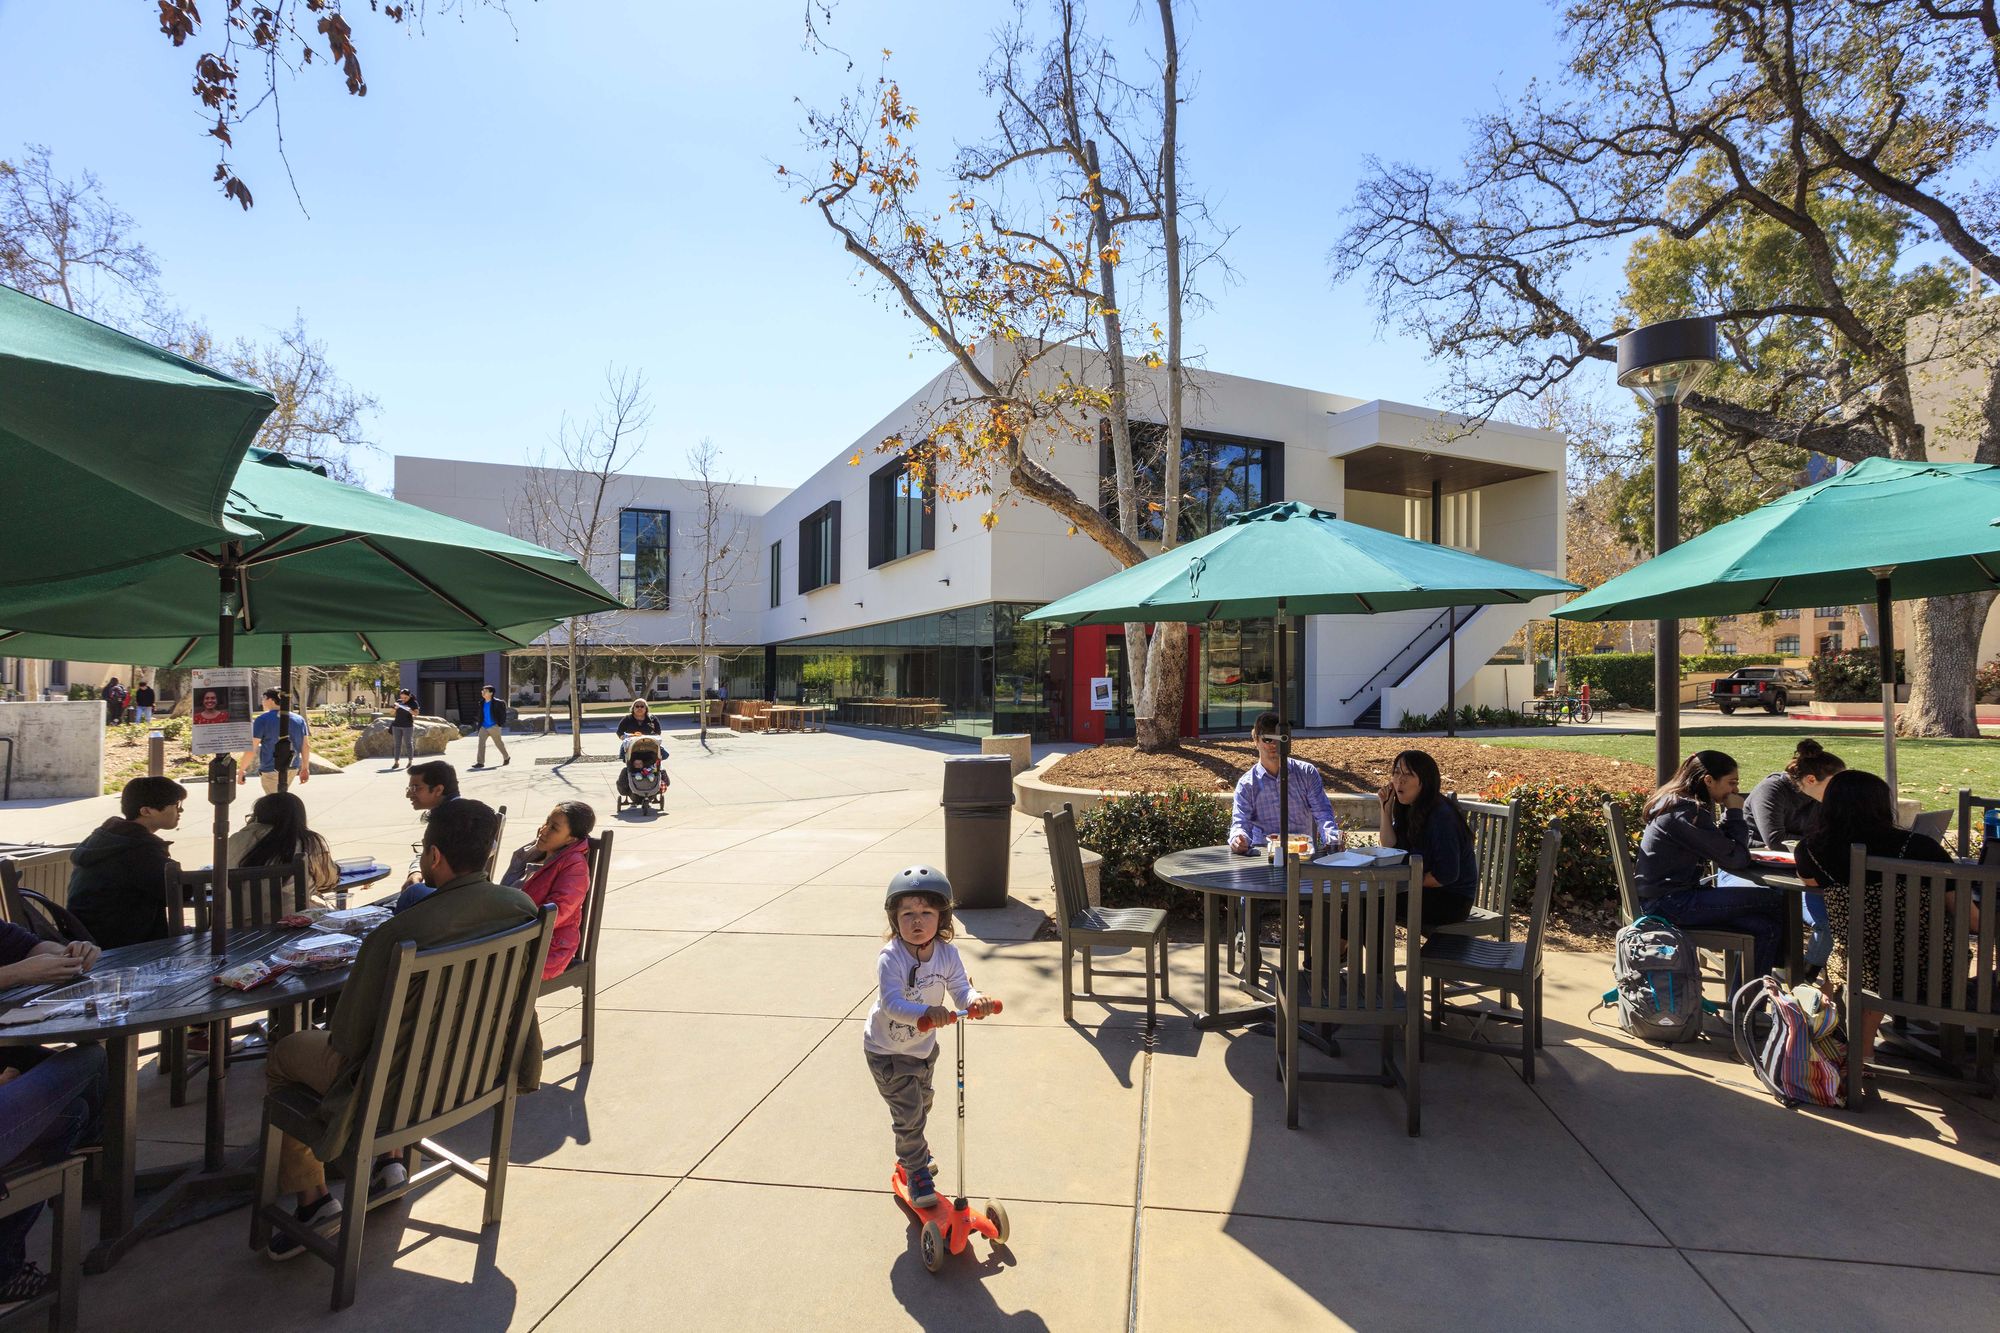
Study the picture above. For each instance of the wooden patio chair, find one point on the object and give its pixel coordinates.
(499, 841)
(1739, 951)
(1953, 988)
(1355, 985)
(59, 1184)
(1469, 963)
(1967, 804)
(582, 969)
(1493, 830)
(258, 896)
(1083, 927)
(449, 1037)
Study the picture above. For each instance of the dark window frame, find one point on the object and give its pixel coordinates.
(777, 570)
(819, 548)
(628, 558)
(1270, 467)
(900, 524)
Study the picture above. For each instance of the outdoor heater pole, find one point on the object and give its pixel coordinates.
(1666, 633)
(281, 752)
(1451, 619)
(222, 767)
(1284, 745)
(1886, 647)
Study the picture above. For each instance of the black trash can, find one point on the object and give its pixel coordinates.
(978, 801)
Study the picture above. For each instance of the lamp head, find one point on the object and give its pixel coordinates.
(1665, 361)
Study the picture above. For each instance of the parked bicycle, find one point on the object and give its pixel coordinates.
(1564, 708)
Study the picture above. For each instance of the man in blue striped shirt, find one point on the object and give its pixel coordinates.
(1255, 817)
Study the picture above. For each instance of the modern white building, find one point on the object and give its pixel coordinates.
(859, 586)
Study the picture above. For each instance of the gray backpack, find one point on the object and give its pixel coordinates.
(1658, 976)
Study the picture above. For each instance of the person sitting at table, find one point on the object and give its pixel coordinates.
(1254, 815)
(554, 869)
(1682, 835)
(1780, 810)
(639, 722)
(430, 785)
(275, 833)
(1417, 816)
(51, 1102)
(1857, 808)
(118, 888)
(327, 1061)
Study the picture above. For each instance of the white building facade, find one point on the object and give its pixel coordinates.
(860, 587)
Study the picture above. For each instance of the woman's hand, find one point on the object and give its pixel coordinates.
(37, 968)
(85, 952)
(1733, 801)
(1386, 794)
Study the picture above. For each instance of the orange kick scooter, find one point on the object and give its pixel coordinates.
(949, 1223)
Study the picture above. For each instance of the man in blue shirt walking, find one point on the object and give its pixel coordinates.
(265, 730)
(492, 717)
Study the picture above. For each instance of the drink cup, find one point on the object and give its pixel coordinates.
(111, 993)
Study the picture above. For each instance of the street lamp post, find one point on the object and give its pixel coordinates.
(1663, 363)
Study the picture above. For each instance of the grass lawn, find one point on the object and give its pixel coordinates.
(620, 708)
(1930, 771)
(125, 751)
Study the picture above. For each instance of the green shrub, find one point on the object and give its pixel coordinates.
(1986, 683)
(1726, 662)
(1470, 719)
(1626, 677)
(1131, 832)
(79, 692)
(1583, 867)
(1852, 677)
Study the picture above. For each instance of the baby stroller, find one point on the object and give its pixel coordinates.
(642, 778)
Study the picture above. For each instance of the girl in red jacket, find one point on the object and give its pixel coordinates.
(554, 869)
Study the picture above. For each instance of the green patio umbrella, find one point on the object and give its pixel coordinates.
(268, 649)
(1883, 530)
(323, 559)
(113, 450)
(1291, 559)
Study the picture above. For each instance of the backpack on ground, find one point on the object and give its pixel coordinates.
(1803, 1055)
(1658, 976)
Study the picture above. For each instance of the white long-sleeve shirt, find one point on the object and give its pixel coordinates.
(905, 988)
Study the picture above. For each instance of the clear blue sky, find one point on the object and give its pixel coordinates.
(515, 205)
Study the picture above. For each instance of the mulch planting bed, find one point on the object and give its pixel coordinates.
(1348, 763)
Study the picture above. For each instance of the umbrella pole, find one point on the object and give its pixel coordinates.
(1284, 744)
(222, 767)
(1451, 672)
(1886, 645)
(281, 752)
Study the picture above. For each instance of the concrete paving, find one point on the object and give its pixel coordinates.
(723, 1163)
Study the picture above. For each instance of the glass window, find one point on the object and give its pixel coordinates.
(819, 548)
(1788, 615)
(898, 524)
(1786, 643)
(1726, 649)
(777, 563)
(1219, 478)
(1825, 611)
(643, 540)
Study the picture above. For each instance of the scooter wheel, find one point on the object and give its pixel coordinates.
(931, 1244)
(996, 1213)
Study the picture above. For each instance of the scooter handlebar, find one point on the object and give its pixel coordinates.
(924, 1024)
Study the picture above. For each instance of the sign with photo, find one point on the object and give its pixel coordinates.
(221, 698)
(1100, 694)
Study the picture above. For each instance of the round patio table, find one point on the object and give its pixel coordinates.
(181, 993)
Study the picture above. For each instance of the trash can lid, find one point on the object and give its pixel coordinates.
(982, 778)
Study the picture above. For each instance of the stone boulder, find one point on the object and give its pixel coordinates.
(432, 735)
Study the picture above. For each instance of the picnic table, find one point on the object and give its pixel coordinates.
(176, 989)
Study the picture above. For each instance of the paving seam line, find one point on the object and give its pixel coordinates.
(609, 1251)
(1139, 1187)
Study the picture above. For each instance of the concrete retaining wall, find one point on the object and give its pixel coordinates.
(58, 747)
(1033, 795)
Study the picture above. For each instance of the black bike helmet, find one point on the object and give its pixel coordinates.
(919, 879)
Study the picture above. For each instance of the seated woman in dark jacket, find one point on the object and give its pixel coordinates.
(1418, 817)
(1857, 809)
(1781, 811)
(1682, 836)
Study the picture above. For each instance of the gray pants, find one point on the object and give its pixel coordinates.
(905, 1083)
(406, 744)
(494, 732)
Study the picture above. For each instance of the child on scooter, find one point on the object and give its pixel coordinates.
(915, 972)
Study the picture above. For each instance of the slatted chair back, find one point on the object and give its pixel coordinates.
(1545, 884)
(258, 895)
(40, 913)
(1972, 812)
(1493, 831)
(1621, 862)
(450, 1032)
(1066, 860)
(1358, 985)
(46, 873)
(499, 841)
(1938, 980)
(599, 860)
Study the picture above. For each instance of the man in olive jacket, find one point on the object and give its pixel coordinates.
(467, 906)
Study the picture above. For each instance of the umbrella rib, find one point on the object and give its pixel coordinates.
(257, 556)
(186, 648)
(1769, 593)
(542, 574)
(1980, 565)
(258, 550)
(425, 583)
(367, 647)
(1365, 604)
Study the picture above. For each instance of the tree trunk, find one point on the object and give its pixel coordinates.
(1943, 659)
(575, 699)
(1158, 728)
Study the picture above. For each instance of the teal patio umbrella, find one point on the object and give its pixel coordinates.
(113, 450)
(1884, 530)
(1291, 559)
(323, 563)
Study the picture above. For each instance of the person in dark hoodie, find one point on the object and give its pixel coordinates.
(1682, 835)
(118, 889)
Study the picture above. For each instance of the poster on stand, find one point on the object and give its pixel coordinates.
(221, 698)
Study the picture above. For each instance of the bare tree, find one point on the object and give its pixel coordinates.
(319, 415)
(570, 504)
(63, 241)
(721, 543)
